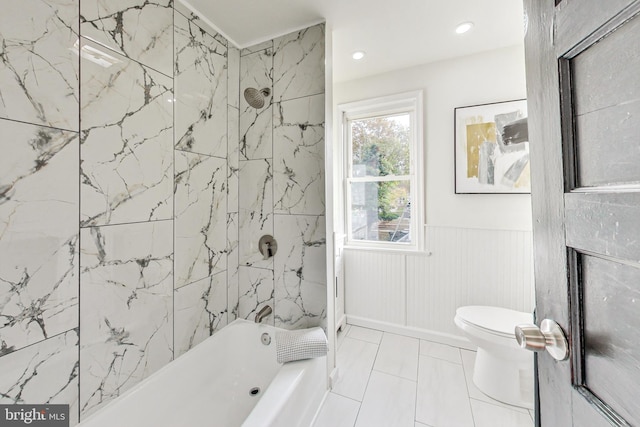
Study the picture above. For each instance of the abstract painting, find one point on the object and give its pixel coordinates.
(492, 148)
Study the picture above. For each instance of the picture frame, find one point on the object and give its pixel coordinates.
(492, 148)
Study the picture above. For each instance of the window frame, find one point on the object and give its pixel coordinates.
(402, 103)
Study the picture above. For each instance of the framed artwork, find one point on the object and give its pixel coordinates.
(492, 148)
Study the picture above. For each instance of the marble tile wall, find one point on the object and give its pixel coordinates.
(114, 120)
(39, 203)
(281, 180)
(135, 180)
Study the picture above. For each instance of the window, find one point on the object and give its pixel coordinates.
(383, 171)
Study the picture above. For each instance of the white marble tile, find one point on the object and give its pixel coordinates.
(257, 48)
(298, 156)
(298, 64)
(126, 308)
(200, 217)
(488, 415)
(255, 291)
(337, 411)
(398, 355)
(442, 398)
(180, 7)
(39, 69)
(389, 401)
(354, 362)
(256, 124)
(365, 334)
(233, 77)
(233, 278)
(468, 361)
(200, 81)
(38, 233)
(256, 210)
(233, 159)
(138, 29)
(300, 271)
(440, 351)
(200, 310)
(44, 373)
(127, 143)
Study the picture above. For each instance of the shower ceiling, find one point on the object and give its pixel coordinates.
(395, 34)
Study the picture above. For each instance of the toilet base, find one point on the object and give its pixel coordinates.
(508, 381)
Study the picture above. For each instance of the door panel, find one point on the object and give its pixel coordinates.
(583, 85)
(610, 297)
(606, 104)
(604, 223)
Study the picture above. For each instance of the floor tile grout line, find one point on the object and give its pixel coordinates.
(368, 381)
(466, 383)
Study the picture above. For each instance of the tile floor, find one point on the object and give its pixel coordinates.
(387, 380)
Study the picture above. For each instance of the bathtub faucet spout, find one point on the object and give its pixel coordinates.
(264, 312)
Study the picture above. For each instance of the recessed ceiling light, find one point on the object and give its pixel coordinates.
(464, 27)
(357, 55)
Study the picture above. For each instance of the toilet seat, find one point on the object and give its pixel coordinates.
(496, 321)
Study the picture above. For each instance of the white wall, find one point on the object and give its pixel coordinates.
(492, 76)
(480, 244)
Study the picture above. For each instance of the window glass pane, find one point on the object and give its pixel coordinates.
(381, 146)
(381, 211)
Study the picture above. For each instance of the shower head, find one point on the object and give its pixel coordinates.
(255, 97)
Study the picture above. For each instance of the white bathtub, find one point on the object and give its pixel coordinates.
(210, 386)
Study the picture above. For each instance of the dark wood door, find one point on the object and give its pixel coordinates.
(583, 84)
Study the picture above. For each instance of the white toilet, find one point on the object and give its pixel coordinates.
(503, 370)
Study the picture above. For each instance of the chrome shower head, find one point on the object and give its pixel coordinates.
(256, 97)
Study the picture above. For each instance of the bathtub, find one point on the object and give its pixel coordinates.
(230, 379)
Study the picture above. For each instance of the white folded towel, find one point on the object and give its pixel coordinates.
(300, 344)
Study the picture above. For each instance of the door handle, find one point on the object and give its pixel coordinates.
(549, 336)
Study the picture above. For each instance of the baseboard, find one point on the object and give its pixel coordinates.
(409, 331)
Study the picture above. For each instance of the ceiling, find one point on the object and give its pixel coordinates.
(395, 34)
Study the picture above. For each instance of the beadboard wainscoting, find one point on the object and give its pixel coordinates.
(418, 293)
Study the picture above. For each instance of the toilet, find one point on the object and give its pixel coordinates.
(503, 370)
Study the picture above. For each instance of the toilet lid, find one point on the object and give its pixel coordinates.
(494, 319)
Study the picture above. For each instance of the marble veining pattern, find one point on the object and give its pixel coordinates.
(200, 311)
(233, 259)
(126, 143)
(200, 217)
(187, 11)
(44, 373)
(257, 48)
(126, 308)
(233, 77)
(255, 291)
(298, 156)
(256, 71)
(39, 69)
(256, 210)
(38, 233)
(300, 271)
(200, 90)
(233, 161)
(141, 30)
(298, 64)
